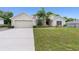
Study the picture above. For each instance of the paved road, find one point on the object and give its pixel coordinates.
(17, 40)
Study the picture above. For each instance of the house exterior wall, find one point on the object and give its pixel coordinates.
(12, 22)
(1, 21)
(55, 19)
(53, 23)
(34, 20)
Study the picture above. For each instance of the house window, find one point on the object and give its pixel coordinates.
(59, 23)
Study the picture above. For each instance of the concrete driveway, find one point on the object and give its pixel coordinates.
(17, 39)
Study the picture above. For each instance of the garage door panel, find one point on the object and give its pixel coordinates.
(23, 24)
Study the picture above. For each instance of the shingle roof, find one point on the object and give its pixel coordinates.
(52, 17)
(23, 15)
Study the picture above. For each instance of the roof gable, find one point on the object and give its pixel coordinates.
(59, 18)
(52, 17)
(22, 16)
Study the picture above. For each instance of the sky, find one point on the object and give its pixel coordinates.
(70, 12)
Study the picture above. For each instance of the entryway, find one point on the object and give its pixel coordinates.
(59, 23)
(48, 22)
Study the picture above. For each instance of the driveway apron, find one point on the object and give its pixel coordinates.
(18, 39)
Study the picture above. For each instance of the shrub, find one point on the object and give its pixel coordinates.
(39, 22)
(34, 26)
(11, 27)
(65, 25)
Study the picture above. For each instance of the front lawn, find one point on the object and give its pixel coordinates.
(56, 39)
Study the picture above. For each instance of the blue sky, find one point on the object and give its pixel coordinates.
(63, 11)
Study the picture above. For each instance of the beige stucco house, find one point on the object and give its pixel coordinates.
(23, 21)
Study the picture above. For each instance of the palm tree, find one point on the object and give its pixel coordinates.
(43, 17)
(41, 14)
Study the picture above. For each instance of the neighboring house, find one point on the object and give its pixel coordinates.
(22, 21)
(1, 21)
(73, 24)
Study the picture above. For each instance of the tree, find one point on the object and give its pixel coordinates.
(65, 17)
(41, 14)
(7, 16)
(1, 13)
(69, 19)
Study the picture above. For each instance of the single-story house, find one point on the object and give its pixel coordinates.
(22, 21)
(73, 24)
(1, 21)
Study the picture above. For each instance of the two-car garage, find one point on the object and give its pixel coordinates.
(22, 21)
(23, 24)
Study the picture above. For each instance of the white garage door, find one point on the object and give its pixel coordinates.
(23, 23)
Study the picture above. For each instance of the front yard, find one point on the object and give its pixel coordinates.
(56, 39)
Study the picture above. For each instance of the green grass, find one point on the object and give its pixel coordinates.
(3, 25)
(56, 39)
